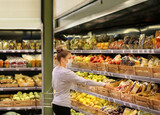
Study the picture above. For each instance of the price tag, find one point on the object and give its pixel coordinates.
(114, 100)
(152, 51)
(138, 51)
(123, 51)
(13, 51)
(125, 76)
(9, 108)
(33, 69)
(26, 88)
(143, 51)
(130, 105)
(111, 51)
(26, 51)
(131, 51)
(18, 51)
(111, 74)
(138, 107)
(4, 51)
(17, 69)
(1, 69)
(1, 89)
(17, 108)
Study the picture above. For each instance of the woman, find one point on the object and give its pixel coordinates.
(62, 80)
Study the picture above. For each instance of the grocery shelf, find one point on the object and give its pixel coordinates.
(20, 69)
(38, 51)
(20, 108)
(117, 75)
(20, 88)
(125, 51)
(17, 51)
(118, 101)
(80, 110)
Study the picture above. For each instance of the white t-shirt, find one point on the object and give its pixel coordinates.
(62, 80)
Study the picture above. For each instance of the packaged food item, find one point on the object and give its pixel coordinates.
(25, 44)
(141, 40)
(6, 64)
(157, 39)
(19, 46)
(1, 45)
(12, 44)
(20, 62)
(38, 60)
(38, 44)
(32, 44)
(148, 43)
(5, 45)
(1, 63)
(38, 79)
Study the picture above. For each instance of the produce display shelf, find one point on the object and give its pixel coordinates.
(20, 88)
(118, 101)
(38, 51)
(20, 69)
(20, 108)
(80, 110)
(117, 75)
(17, 51)
(122, 51)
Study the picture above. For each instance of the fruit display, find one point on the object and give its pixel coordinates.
(24, 45)
(24, 80)
(20, 99)
(7, 81)
(96, 103)
(128, 111)
(20, 80)
(73, 112)
(11, 113)
(38, 79)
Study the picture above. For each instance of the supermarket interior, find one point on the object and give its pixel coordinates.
(112, 42)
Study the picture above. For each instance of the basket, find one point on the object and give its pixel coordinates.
(113, 68)
(102, 91)
(24, 103)
(6, 80)
(106, 67)
(141, 100)
(115, 94)
(38, 102)
(127, 97)
(92, 66)
(8, 85)
(81, 86)
(156, 72)
(101, 66)
(83, 65)
(92, 88)
(6, 103)
(123, 69)
(91, 110)
(155, 104)
(102, 113)
(75, 64)
(143, 71)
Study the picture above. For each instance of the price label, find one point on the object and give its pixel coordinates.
(131, 51)
(26, 88)
(138, 51)
(33, 69)
(123, 51)
(17, 69)
(1, 69)
(9, 108)
(26, 51)
(13, 51)
(18, 51)
(17, 108)
(4, 51)
(125, 76)
(111, 74)
(111, 51)
(130, 105)
(1, 89)
(143, 51)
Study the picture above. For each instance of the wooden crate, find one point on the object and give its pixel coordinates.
(156, 72)
(75, 64)
(113, 68)
(115, 94)
(127, 97)
(92, 66)
(102, 91)
(102, 113)
(155, 104)
(38, 102)
(81, 86)
(141, 100)
(24, 103)
(143, 71)
(8, 85)
(101, 66)
(91, 110)
(123, 69)
(83, 65)
(6, 80)
(106, 67)
(6, 103)
(92, 88)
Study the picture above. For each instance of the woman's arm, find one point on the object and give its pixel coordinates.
(70, 76)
